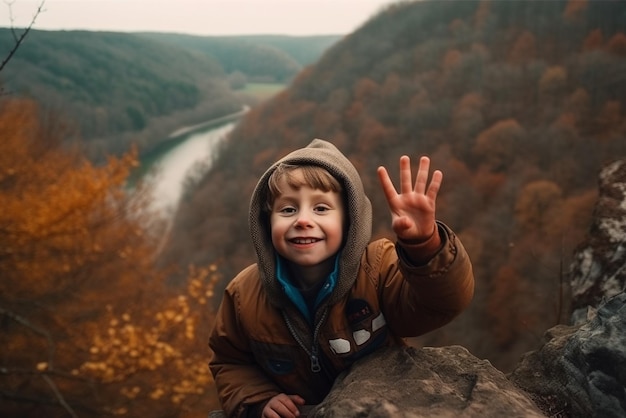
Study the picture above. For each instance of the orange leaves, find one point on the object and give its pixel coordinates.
(538, 204)
(365, 90)
(497, 145)
(524, 49)
(53, 201)
(202, 282)
(124, 348)
(553, 81)
(451, 60)
(159, 341)
(575, 10)
(76, 251)
(594, 40)
(16, 130)
(617, 44)
(467, 115)
(505, 308)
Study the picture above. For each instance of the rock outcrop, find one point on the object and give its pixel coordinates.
(599, 268)
(580, 371)
(425, 382)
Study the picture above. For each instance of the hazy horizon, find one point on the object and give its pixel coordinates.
(196, 17)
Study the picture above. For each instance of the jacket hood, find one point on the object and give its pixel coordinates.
(359, 215)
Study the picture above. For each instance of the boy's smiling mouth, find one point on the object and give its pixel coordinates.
(304, 240)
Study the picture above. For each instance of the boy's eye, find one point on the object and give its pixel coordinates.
(322, 208)
(288, 210)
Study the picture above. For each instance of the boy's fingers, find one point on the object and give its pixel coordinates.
(421, 180)
(388, 188)
(435, 185)
(406, 185)
(422, 175)
(284, 407)
(297, 399)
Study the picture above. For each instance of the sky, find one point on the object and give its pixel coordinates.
(198, 17)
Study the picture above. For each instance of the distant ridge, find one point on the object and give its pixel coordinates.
(118, 88)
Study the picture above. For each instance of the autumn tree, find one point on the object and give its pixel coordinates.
(552, 88)
(505, 306)
(467, 120)
(574, 10)
(594, 40)
(578, 103)
(524, 49)
(617, 44)
(538, 204)
(552, 81)
(610, 120)
(482, 15)
(496, 146)
(88, 327)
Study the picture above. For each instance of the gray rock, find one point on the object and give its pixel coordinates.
(581, 370)
(426, 382)
(599, 268)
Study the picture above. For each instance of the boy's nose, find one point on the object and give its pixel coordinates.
(303, 221)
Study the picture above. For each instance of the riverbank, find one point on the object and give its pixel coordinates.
(180, 167)
(148, 160)
(181, 132)
(172, 173)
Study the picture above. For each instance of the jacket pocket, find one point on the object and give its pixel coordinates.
(275, 359)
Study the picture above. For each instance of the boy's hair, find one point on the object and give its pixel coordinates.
(313, 176)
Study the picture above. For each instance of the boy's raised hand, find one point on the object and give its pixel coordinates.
(413, 208)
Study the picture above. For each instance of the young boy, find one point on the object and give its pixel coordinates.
(321, 295)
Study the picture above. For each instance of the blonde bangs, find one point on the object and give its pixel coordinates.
(297, 176)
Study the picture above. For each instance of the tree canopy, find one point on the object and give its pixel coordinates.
(90, 326)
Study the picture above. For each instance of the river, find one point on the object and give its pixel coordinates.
(169, 171)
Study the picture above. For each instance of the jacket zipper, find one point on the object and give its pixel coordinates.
(313, 353)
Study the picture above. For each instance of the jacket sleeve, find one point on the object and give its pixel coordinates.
(419, 299)
(241, 385)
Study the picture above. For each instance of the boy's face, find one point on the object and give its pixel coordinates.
(307, 224)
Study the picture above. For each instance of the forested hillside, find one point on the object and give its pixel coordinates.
(519, 103)
(118, 89)
(110, 84)
(260, 58)
(304, 49)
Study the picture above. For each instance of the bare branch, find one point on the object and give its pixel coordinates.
(10, 6)
(59, 397)
(6, 371)
(25, 398)
(23, 321)
(46, 375)
(19, 39)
